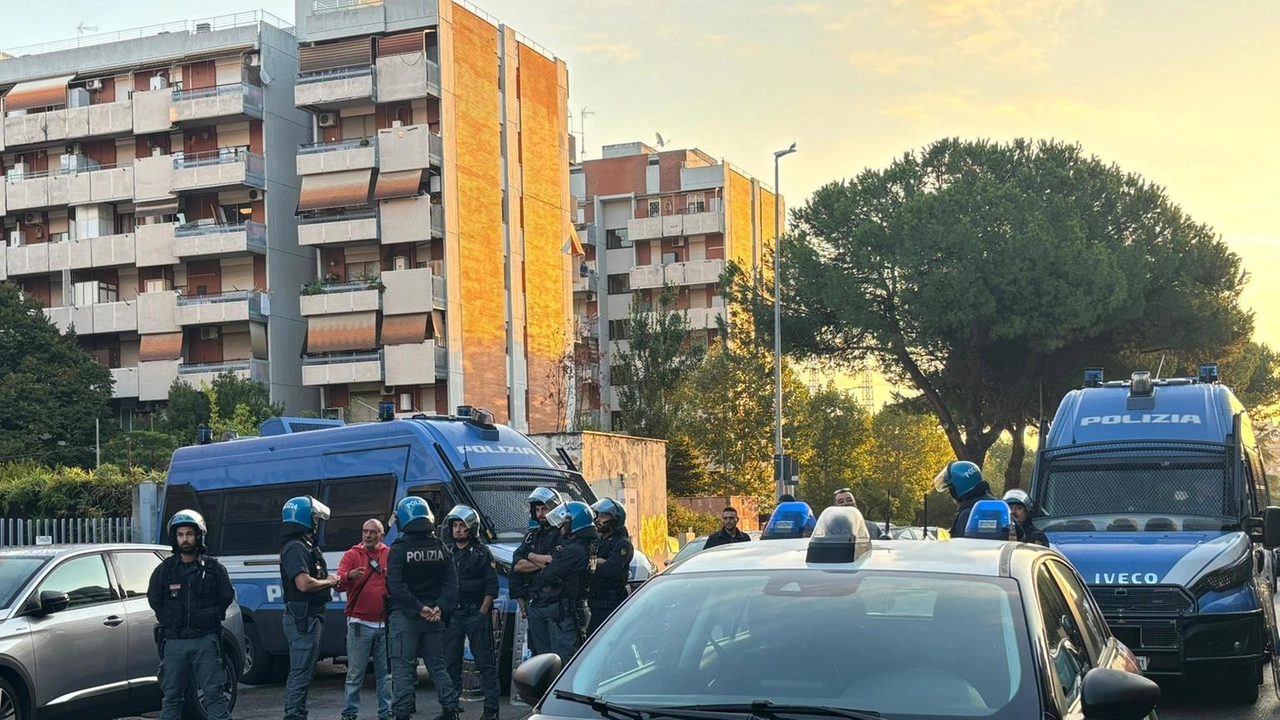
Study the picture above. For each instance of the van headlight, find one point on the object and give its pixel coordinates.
(1234, 575)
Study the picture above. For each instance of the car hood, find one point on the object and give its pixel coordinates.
(1148, 558)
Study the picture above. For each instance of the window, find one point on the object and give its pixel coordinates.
(670, 258)
(620, 284)
(353, 503)
(251, 523)
(84, 579)
(616, 239)
(1095, 627)
(619, 375)
(655, 208)
(615, 420)
(619, 329)
(133, 570)
(1066, 646)
(697, 203)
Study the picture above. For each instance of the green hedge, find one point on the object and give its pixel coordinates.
(30, 490)
(682, 519)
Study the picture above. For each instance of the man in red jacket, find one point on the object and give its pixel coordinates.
(362, 575)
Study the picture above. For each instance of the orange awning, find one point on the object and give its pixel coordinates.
(573, 245)
(397, 184)
(404, 329)
(38, 93)
(335, 190)
(165, 346)
(348, 331)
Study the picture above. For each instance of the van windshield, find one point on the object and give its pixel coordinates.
(1164, 494)
(502, 497)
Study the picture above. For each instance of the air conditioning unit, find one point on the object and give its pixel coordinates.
(209, 333)
(159, 82)
(397, 123)
(437, 184)
(678, 242)
(20, 169)
(17, 238)
(334, 413)
(93, 85)
(400, 263)
(31, 218)
(406, 402)
(388, 390)
(159, 285)
(328, 120)
(156, 151)
(73, 149)
(255, 195)
(253, 60)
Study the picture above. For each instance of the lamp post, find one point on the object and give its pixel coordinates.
(778, 471)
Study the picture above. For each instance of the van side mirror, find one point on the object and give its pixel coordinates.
(534, 677)
(1108, 694)
(1271, 527)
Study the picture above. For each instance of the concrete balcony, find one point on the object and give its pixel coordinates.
(107, 119)
(415, 364)
(678, 225)
(104, 251)
(342, 369)
(588, 326)
(155, 378)
(196, 374)
(355, 154)
(705, 318)
(155, 244)
(96, 319)
(341, 298)
(406, 77)
(124, 383)
(231, 167)
(586, 283)
(334, 88)
(227, 307)
(695, 272)
(409, 220)
(409, 147)
(338, 229)
(27, 260)
(208, 241)
(157, 313)
(96, 185)
(407, 291)
(222, 101)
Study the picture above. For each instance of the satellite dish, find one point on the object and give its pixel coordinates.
(266, 78)
(661, 142)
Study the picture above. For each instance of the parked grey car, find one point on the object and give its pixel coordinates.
(77, 635)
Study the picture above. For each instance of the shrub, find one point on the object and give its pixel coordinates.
(30, 490)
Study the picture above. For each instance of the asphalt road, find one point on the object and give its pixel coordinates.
(1179, 704)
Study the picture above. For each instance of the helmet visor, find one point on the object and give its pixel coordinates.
(319, 510)
(942, 480)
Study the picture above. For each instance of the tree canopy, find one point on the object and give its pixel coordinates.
(982, 274)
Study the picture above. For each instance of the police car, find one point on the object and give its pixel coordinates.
(835, 625)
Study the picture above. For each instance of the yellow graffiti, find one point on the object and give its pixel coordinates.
(653, 538)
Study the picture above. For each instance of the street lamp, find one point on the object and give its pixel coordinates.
(778, 471)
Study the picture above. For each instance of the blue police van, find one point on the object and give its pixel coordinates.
(359, 471)
(1155, 490)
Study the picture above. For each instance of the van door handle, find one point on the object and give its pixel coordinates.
(113, 621)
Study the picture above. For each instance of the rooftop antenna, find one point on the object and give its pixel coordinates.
(81, 29)
(1160, 366)
(582, 123)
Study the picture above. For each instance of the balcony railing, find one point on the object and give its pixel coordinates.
(324, 6)
(341, 287)
(338, 217)
(197, 228)
(342, 73)
(337, 145)
(338, 358)
(222, 156)
(253, 297)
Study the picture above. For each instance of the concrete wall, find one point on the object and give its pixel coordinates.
(748, 508)
(288, 264)
(624, 468)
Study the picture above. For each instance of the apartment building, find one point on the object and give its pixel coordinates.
(149, 200)
(435, 192)
(648, 218)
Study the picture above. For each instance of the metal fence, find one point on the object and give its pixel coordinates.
(16, 532)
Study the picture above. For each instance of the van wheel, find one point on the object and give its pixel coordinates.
(193, 708)
(10, 702)
(257, 664)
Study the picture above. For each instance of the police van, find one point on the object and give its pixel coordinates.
(1156, 492)
(359, 471)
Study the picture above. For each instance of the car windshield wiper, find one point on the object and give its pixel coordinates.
(770, 710)
(617, 710)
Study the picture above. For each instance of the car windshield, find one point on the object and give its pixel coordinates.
(691, 548)
(503, 499)
(1152, 495)
(906, 645)
(15, 573)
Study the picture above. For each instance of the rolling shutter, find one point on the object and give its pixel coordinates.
(331, 56)
(402, 44)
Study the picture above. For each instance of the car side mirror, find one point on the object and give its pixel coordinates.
(52, 602)
(534, 677)
(1271, 527)
(1108, 694)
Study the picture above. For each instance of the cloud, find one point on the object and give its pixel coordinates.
(601, 45)
(800, 8)
(887, 63)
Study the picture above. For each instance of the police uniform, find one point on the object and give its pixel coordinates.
(303, 618)
(559, 590)
(609, 579)
(420, 574)
(541, 540)
(477, 579)
(190, 600)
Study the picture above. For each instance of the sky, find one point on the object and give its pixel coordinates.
(1183, 92)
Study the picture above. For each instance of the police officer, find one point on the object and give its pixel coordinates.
(1020, 508)
(559, 592)
(963, 481)
(532, 555)
(190, 593)
(471, 620)
(307, 586)
(424, 590)
(613, 564)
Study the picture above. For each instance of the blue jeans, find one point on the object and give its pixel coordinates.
(199, 659)
(364, 644)
(304, 652)
(411, 638)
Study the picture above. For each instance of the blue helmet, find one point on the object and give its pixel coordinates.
(960, 477)
(412, 509)
(189, 518)
(990, 520)
(304, 511)
(613, 508)
(577, 514)
(790, 520)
